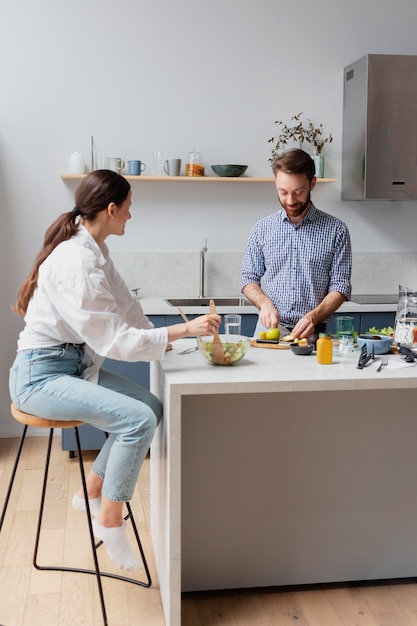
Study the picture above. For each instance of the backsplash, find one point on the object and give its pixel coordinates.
(381, 272)
(168, 274)
(178, 273)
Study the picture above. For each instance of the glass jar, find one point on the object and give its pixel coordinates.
(195, 164)
(324, 349)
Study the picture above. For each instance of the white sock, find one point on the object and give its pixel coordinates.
(79, 504)
(117, 546)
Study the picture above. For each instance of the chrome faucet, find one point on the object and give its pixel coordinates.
(202, 269)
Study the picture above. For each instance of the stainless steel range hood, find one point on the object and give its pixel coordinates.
(379, 158)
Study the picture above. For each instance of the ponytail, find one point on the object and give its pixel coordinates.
(94, 194)
(62, 229)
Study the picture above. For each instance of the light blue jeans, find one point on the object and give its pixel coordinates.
(48, 382)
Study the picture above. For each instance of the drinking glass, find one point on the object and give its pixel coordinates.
(346, 345)
(232, 324)
(344, 326)
(158, 162)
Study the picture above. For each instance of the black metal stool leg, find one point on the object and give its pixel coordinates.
(90, 527)
(12, 477)
(96, 570)
(94, 545)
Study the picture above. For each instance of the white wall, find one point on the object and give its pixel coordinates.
(143, 75)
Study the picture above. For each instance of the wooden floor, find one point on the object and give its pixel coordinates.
(31, 598)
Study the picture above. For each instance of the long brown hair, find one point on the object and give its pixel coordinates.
(97, 190)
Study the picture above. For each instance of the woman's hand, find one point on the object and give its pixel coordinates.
(203, 325)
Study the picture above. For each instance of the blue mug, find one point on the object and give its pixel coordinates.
(135, 168)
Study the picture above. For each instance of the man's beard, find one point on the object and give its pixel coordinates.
(292, 212)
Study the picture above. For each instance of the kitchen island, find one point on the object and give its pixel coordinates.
(280, 471)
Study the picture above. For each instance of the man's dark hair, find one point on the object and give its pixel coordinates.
(294, 161)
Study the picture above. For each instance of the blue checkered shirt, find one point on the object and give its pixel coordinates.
(298, 265)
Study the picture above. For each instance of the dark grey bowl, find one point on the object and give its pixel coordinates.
(229, 170)
(301, 350)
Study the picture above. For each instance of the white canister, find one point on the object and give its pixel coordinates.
(76, 163)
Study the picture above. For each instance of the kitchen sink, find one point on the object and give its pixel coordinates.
(238, 301)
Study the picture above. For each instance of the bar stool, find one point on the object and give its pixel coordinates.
(32, 420)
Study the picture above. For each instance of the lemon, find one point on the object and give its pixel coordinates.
(262, 334)
(273, 333)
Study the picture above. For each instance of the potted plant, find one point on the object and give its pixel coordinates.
(299, 133)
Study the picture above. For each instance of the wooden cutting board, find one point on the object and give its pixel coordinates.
(270, 346)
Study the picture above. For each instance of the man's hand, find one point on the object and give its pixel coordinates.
(268, 315)
(303, 328)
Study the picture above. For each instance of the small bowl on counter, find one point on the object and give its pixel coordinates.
(234, 349)
(302, 350)
(229, 170)
(379, 344)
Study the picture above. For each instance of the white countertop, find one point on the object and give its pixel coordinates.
(268, 370)
(158, 306)
(270, 398)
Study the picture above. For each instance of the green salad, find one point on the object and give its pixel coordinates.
(388, 330)
(233, 351)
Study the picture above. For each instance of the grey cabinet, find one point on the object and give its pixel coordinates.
(364, 321)
(380, 320)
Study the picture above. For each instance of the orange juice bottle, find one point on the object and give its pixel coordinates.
(324, 349)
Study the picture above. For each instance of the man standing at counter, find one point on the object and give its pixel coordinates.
(297, 264)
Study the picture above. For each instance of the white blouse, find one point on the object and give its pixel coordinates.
(81, 298)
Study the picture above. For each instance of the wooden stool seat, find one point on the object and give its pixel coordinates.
(40, 422)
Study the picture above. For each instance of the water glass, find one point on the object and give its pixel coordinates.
(344, 326)
(346, 345)
(232, 324)
(158, 163)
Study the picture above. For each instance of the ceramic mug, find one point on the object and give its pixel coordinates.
(115, 164)
(135, 168)
(172, 167)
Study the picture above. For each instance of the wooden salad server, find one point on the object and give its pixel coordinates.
(218, 351)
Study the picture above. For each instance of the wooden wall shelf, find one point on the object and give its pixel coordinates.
(194, 179)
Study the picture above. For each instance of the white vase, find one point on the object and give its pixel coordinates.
(319, 164)
(76, 163)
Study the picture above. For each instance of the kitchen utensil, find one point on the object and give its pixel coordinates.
(218, 351)
(407, 354)
(384, 362)
(229, 170)
(189, 350)
(183, 315)
(381, 344)
(264, 343)
(234, 348)
(365, 357)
